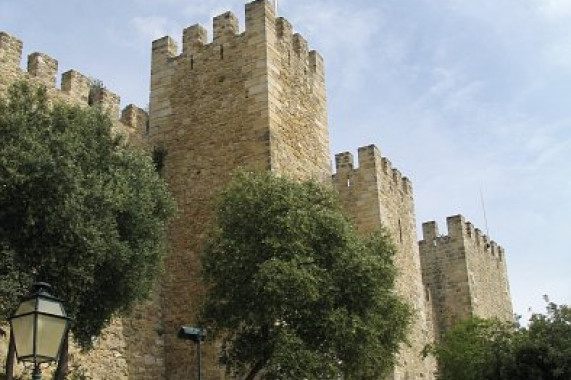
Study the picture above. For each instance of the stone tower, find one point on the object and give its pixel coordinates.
(255, 100)
(376, 194)
(465, 273)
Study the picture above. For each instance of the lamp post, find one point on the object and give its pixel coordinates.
(196, 334)
(39, 326)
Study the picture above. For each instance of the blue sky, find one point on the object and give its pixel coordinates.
(465, 97)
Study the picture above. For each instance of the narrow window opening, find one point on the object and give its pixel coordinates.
(192, 62)
(221, 51)
(147, 126)
(400, 231)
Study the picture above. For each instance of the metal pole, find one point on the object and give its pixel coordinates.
(199, 371)
(11, 358)
(37, 375)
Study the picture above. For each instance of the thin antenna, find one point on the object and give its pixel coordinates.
(484, 210)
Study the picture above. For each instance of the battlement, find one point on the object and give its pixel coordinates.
(42, 69)
(76, 85)
(261, 26)
(225, 27)
(134, 117)
(371, 162)
(460, 229)
(10, 51)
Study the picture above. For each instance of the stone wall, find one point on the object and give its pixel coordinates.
(375, 194)
(128, 344)
(465, 272)
(252, 100)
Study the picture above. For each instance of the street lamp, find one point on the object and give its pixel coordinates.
(39, 327)
(196, 334)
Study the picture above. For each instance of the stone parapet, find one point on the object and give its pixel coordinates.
(41, 69)
(466, 273)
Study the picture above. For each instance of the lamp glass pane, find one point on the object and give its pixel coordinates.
(26, 307)
(23, 330)
(50, 307)
(50, 334)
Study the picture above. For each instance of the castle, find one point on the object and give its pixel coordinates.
(257, 100)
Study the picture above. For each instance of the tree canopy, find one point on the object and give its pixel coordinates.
(479, 349)
(78, 209)
(293, 291)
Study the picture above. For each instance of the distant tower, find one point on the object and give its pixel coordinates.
(465, 273)
(254, 100)
(377, 195)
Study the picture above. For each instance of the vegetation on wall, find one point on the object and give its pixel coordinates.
(293, 291)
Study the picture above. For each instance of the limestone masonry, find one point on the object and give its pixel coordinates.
(256, 100)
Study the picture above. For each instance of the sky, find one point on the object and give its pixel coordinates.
(469, 99)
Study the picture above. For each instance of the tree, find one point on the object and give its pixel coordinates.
(479, 349)
(545, 350)
(293, 291)
(474, 349)
(78, 209)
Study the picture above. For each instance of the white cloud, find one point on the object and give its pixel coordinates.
(558, 54)
(555, 8)
(343, 36)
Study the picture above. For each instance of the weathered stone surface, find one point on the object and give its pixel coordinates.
(244, 100)
(465, 273)
(375, 194)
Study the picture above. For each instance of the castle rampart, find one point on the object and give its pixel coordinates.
(375, 194)
(465, 272)
(118, 352)
(76, 88)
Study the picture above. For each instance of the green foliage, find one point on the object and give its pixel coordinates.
(95, 88)
(544, 352)
(78, 209)
(478, 349)
(474, 349)
(294, 291)
(159, 154)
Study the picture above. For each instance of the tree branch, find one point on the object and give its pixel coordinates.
(256, 369)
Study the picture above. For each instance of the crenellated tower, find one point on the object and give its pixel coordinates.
(465, 273)
(252, 99)
(375, 194)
